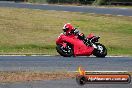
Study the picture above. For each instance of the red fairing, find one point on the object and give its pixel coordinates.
(80, 49)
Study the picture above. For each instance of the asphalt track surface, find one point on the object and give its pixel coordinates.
(85, 9)
(68, 83)
(43, 63)
(58, 63)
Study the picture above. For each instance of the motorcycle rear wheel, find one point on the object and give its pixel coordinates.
(101, 51)
(64, 52)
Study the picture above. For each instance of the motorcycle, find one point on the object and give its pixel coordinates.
(68, 46)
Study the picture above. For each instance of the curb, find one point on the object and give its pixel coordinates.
(60, 56)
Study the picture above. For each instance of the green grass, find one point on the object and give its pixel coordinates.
(26, 31)
(37, 1)
(28, 49)
(119, 6)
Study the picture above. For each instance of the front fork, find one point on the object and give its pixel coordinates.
(94, 45)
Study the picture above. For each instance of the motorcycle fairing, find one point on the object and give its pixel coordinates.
(80, 49)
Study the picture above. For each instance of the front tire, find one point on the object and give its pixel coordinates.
(101, 50)
(66, 52)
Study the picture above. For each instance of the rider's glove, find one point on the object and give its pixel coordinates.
(81, 36)
(95, 39)
(87, 42)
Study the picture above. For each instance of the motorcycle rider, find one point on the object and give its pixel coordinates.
(69, 30)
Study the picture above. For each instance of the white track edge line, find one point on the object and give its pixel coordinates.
(101, 71)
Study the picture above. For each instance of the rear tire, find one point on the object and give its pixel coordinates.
(65, 53)
(101, 51)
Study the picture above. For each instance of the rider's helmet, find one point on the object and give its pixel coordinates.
(67, 27)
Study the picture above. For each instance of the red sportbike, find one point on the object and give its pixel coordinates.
(68, 46)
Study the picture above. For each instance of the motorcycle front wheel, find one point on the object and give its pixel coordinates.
(101, 50)
(64, 51)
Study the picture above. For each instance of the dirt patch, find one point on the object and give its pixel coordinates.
(34, 76)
